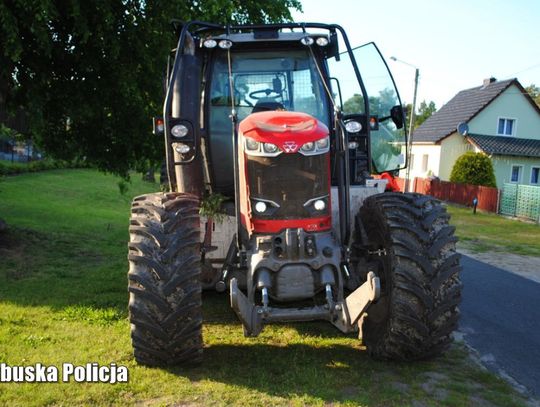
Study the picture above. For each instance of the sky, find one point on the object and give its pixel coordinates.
(455, 44)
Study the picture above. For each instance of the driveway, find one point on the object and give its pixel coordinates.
(500, 317)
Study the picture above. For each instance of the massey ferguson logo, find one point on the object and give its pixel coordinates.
(290, 146)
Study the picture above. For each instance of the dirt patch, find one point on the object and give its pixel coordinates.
(14, 249)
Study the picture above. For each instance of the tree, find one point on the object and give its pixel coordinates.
(355, 104)
(89, 73)
(378, 105)
(424, 112)
(474, 169)
(534, 92)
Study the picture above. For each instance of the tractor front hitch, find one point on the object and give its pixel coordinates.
(344, 315)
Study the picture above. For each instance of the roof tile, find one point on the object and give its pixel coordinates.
(500, 145)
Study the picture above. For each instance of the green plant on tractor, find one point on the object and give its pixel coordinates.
(254, 121)
(211, 207)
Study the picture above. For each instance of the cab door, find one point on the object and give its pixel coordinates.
(388, 140)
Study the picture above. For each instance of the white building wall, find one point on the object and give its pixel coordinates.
(422, 153)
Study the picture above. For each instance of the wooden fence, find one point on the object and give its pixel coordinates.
(488, 198)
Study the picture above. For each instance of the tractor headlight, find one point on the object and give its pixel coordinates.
(306, 40)
(323, 143)
(308, 147)
(270, 148)
(210, 43)
(260, 149)
(181, 148)
(353, 126)
(322, 41)
(316, 205)
(252, 145)
(179, 131)
(260, 207)
(319, 205)
(225, 44)
(316, 147)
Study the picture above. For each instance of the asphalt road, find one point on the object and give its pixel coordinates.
(500, 317)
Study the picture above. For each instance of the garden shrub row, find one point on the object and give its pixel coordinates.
(9, 168)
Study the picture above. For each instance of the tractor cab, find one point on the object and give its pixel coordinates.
(291, 67)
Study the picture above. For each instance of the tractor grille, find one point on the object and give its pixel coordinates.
(289, 180)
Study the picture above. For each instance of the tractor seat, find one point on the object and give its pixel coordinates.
(264, 105)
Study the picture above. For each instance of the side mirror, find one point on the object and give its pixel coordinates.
(277, 85)
(397, 115)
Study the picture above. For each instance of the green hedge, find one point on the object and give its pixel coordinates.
(9, 168)
(474, 169)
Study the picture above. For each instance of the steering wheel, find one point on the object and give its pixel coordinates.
(268, 93)
(247, 102)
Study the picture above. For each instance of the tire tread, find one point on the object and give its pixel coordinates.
(165, 307)
(422, 284)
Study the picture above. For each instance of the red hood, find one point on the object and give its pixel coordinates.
(288, 130)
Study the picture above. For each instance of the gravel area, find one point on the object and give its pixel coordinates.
(525, 266)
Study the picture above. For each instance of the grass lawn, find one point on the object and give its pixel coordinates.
(489, 232)
(63, 298)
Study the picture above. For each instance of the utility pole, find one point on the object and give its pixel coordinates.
(411, 122)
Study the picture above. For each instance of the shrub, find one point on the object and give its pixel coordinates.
(474, 169)
(9, 168)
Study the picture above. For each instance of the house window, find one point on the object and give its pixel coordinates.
(425, 158)
(515, 175)
(412, 162)
(506, 127)
(535, 175)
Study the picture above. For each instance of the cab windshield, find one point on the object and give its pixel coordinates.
(267, 81)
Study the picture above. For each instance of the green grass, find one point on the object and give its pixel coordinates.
(490, 232)
(63, 298)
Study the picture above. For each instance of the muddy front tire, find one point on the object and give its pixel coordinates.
(419, 268)
(164, 279)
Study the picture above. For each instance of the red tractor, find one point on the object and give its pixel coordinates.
(280, 133)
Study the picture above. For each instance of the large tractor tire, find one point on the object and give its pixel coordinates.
(164, 279)
(414, 246)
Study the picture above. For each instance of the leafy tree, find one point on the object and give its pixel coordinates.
(424, 112)
(88, 73)
(355, 104)
(474, 169)
(534, 92)
(378, 105)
